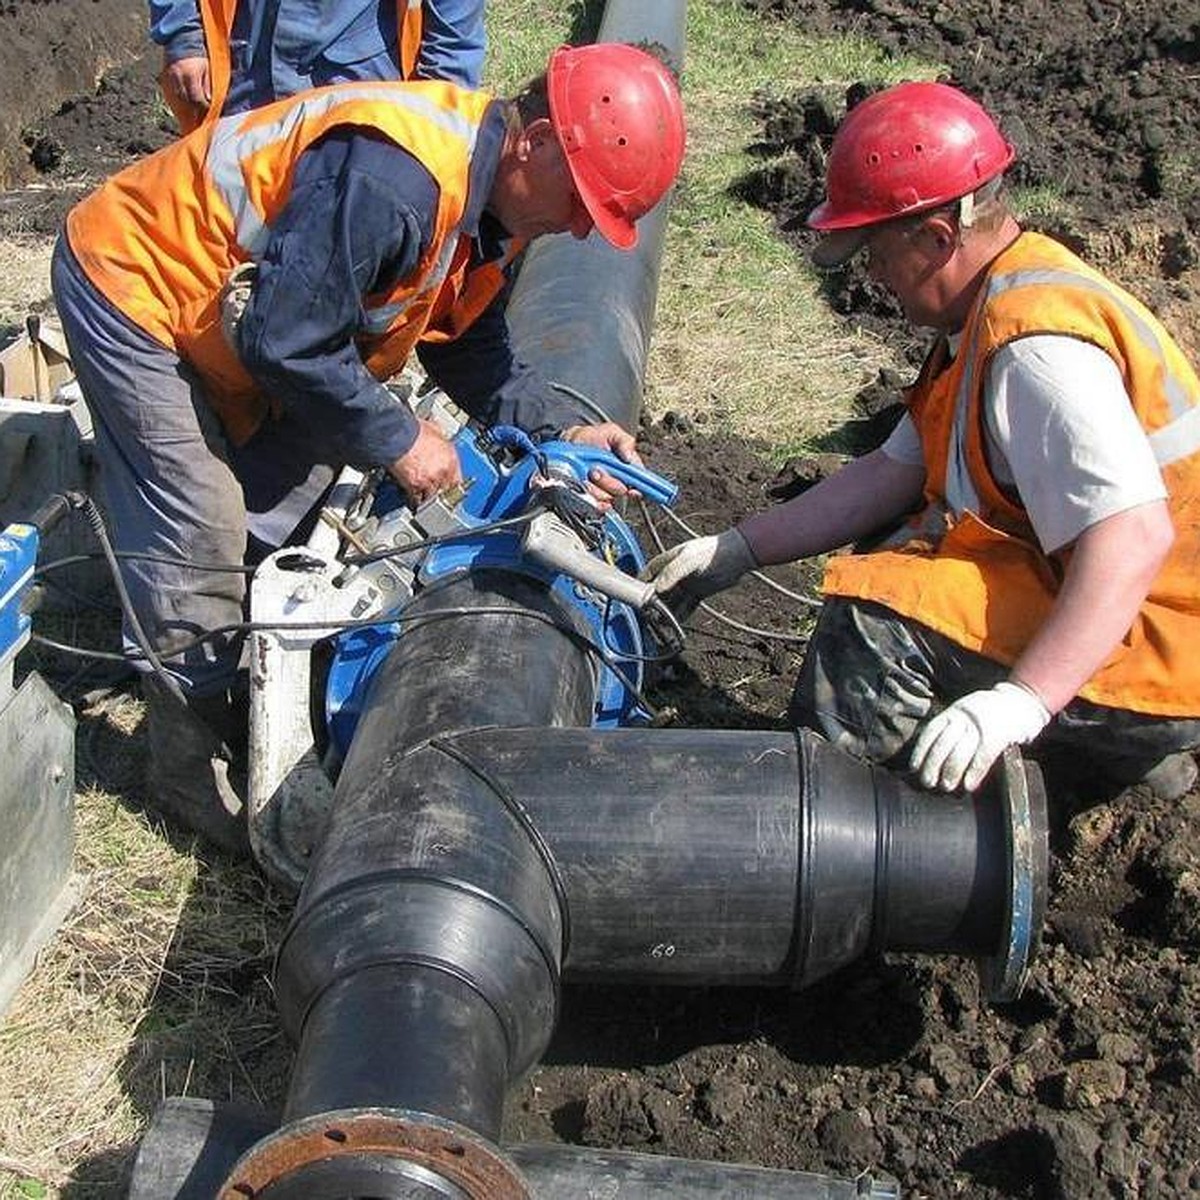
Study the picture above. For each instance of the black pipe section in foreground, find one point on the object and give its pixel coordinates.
(192, 1145)
(727, 857)
(466, 863)
(421, 967)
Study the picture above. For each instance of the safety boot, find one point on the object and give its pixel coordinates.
(1172, 777)
(196, 777)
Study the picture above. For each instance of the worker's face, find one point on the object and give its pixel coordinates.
(547, 200)
(907, 257)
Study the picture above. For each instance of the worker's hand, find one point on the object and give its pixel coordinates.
(697, 569)
(606, 436)
(430, 465)
(188, 80)
(233, 298)
(958, 747)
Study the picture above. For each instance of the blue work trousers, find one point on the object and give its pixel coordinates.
(172, 486)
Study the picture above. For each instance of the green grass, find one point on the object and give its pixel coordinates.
(742, 334)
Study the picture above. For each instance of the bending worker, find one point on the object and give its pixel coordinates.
(375, 217)
(226, 56)
(1042, 583)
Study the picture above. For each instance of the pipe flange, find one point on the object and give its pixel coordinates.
(1017, 784)
(407, 1154)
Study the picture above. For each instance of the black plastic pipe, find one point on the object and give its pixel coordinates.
(192, 1145)
(701, 856)
(420, 970)
(583, 312)
(468, 860)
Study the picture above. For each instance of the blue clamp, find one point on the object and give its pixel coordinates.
(582, 459)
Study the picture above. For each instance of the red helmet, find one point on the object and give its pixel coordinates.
(617, 113)
(908, 148)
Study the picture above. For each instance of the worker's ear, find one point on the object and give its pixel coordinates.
(941, 236)
(539, 134)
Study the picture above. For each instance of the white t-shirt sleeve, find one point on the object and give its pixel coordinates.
(903, 445)
(1062, 431)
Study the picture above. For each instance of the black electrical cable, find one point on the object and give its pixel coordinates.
(626, 656)
(583, 399)
(96, 521)
(458, 535)
(73, 560)
(601, 652)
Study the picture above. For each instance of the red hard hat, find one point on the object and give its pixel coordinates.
(617, 113)
(908, 148)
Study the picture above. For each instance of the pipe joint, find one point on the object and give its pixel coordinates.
(420, 923)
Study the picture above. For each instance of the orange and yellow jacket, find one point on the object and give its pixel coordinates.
(217, 18)
(160, 239)
(968, 564)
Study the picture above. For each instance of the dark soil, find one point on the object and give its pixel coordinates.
(1089, 1086)
(50, 51)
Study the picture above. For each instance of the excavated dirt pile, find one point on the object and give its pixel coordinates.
(1088, 1088)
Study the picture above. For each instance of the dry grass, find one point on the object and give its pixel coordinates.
(24, 277)
(156, 985)
(743, 334)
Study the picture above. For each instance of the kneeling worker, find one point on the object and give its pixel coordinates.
(1043, 582)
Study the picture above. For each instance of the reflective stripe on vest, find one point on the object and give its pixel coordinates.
(231, 145)
(160, 238)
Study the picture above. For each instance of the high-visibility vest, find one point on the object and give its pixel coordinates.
(968, 564)
(160, 238)
(217, 19)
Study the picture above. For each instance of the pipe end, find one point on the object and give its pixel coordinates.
(404, 1154)
(1017, 785)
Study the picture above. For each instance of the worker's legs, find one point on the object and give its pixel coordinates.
(871, 677)
(281, 484)
(1088, 746)
(167, 486)
(168, 491)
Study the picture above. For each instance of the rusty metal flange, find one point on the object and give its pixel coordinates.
(289, 1162)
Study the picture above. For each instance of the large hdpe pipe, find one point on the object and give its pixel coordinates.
(421, 967)
(583, 312)
(467, 861)
(725, 857)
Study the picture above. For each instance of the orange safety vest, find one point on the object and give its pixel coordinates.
(160, 238)
(968, 564)
(217, 18)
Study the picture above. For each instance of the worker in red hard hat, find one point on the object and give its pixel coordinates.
(1034, 519)
(234, 302)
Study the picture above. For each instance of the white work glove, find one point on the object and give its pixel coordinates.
(957, 747)
(696, 569)
(234, 296)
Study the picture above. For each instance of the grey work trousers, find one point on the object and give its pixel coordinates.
(173, 486)
(871, 677)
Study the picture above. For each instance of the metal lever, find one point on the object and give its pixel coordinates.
(550, 542)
